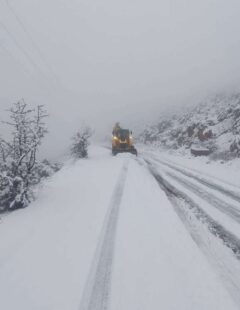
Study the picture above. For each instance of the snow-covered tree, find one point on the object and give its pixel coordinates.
(81, 142)
(18, 156)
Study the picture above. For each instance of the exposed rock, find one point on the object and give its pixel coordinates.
(214, 124)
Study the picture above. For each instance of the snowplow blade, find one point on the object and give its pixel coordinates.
(124, 150)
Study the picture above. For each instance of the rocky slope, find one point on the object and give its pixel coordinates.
(211, 128)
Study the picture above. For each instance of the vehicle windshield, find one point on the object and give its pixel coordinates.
(123, 133)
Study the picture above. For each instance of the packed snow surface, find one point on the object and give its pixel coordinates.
(103, 235)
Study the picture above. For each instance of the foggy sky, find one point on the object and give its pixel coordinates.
(104, 61)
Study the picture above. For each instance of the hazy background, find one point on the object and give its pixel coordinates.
(104, 61)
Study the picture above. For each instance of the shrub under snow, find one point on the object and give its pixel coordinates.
(213, 125)
(81, 143)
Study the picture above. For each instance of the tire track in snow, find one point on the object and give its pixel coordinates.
(97, 290)
(219, 204)
(230, 193)
(203, 192)
(229, 240)
(196, 222)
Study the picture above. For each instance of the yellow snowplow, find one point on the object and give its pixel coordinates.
(122, 141)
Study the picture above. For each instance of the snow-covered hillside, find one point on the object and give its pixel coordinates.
(213, 125)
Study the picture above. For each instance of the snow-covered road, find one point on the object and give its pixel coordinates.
(209, 208)
(123, 233)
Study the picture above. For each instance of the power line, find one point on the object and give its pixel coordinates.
(34, 44)
(10, 54)
(26, 54)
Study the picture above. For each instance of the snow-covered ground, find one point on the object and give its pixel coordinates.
(104, 233)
